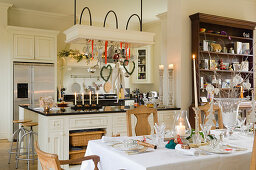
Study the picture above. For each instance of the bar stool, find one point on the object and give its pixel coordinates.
(18, 132)
(30, 144)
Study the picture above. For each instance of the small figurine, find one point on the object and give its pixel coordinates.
(222, 66)
(216, 47)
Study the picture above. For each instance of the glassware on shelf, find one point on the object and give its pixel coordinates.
(229, 109)
(182, 125)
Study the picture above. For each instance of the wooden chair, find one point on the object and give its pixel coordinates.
(50, 161)
(253, 157)
(205, 108)
(141, 113)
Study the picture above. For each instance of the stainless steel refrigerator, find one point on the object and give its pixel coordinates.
(30, 82)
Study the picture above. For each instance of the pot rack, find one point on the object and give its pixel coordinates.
(79, 33)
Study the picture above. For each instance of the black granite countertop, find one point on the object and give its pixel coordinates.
(69, 111)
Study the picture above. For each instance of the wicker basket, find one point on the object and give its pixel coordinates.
(82, 138)
(76, 154)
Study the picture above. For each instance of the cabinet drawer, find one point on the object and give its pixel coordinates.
(85, 123)
(56, 124)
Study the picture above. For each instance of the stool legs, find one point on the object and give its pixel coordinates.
(17, 132)
(30, 146)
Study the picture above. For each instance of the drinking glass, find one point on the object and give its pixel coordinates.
(229, 109)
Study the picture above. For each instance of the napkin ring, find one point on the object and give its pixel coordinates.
(185, 147)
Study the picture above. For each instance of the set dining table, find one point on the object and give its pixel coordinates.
(168, 159)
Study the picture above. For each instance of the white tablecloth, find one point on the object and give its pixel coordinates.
(168, 159)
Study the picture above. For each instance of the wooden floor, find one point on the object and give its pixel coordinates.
(4, 156)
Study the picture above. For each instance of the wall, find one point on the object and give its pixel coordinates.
(5, 74)
(179, 35)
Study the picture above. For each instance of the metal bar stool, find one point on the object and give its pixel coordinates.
(18, 132)
(30, 145)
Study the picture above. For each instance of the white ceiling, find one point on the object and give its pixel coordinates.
(99, 8)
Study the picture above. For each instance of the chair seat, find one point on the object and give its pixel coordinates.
(30, 124)
(21, 121)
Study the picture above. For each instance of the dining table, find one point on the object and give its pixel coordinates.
(171, 159)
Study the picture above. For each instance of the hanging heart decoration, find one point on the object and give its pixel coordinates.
(108, 67)
(126, 63)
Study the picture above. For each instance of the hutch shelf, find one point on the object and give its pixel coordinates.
(223, 48)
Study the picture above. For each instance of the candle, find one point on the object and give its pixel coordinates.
(170, 67)
(97, 98)
(90, 97)
(242, 92)
(82, 98)
(195, 87)
(75, 99)
(180, 130)
(161, 67)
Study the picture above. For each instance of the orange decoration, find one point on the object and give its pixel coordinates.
(129, 53)
(106, 51)
(92, 48)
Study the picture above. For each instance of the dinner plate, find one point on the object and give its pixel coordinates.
(222, 150)
(125, 147)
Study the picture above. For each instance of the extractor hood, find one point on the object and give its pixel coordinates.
(80, 33)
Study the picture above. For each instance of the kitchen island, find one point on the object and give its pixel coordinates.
(54, 127)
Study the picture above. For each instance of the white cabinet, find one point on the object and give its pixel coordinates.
(44, 48)
(56, 143)
(143, 72)
(24, 46)
(34, 45)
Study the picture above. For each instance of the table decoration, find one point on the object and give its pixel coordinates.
(159, 136)
(186, 151)
(182, 125)
(229, 108)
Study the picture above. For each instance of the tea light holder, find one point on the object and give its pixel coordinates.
(182, 125)
(161, 75)
(171, 85)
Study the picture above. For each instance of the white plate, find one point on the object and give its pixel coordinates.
(215, 150)
(75, 88)
(125, 147)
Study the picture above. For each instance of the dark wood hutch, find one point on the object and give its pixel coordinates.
(227, 33)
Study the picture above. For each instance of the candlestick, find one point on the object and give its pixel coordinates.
(170, 66)
(75, 99)
(82, 98)
(97, 98)
(161, 67)
(90, 97)
(195, 87)
(180, 130)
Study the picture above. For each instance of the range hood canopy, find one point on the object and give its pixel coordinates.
(82, 33)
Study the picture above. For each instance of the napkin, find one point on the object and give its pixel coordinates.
(191, 151)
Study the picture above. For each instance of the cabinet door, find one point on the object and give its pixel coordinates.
(55, 143)
(142, 72)
(44, 48)
(24, 46)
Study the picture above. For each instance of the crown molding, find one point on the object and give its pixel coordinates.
(5, 5)
(41, 13)
(162, 15)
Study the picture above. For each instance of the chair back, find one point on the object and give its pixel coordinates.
(141, 113)
(48, 161)
(253, 157)
(205, 108)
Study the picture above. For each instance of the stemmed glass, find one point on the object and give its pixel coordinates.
(229, 109)
(206, 130)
